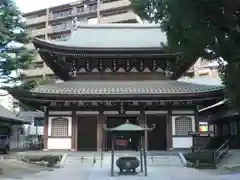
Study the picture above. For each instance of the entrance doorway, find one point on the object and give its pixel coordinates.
(124, 140)
(87, 133)
(157, 138)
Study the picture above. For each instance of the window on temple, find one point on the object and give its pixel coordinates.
(183, 125)
(59, 127)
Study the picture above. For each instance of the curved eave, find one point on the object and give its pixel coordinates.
(43, 44)
(46, 97)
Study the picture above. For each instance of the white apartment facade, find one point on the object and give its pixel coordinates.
(204, 68)
(56, 23)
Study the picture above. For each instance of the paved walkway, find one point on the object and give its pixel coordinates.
(162, 167)
(232, 160)
(74, 169)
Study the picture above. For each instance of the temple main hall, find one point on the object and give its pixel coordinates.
(112, 73)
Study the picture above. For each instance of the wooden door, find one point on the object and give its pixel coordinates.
(157, 138)
(87, 133)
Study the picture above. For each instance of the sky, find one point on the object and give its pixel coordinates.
(33, 5)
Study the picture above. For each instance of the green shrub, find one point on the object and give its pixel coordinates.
(202, 157)
(51, 160)
(200, 160)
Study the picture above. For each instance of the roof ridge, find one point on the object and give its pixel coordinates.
(117, 25)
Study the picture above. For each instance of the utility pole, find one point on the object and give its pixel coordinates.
(98, 11)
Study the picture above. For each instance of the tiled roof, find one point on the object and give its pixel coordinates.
(10, 116)
(203, 80)
(117, 35)
(166, 87)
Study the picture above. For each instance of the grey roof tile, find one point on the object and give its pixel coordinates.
(10, 116)
(124, 87)
(117, 35)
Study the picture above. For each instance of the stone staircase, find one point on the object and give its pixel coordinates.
(165, 161)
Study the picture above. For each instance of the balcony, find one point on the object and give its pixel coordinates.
(61, 15)
(202, 72)
(36, 20)
(119, 17)
(62, 27)
(40, 32)
(87, 10)
(115, 5)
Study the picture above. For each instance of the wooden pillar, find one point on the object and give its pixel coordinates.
(74, 131)
(143, 123)
(102, 120)
(45, 135)
(112, 159)
(100, 132)
(197, 121)
(169, 130)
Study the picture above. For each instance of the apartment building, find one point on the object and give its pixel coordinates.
(55, 23)
(204, 68)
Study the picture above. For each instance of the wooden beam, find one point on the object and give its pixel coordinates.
(46, 125)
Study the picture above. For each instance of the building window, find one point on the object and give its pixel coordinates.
(183, 125)
(38, 121)
(35, 16)
(41, 26)
(41, 37)
(112, 13)
(66, 25)
(80, 9)
(38, 64)
(59, 127)
(64, 37)
(15, 105)
(61, 13)
(92, 7)
(203, 74)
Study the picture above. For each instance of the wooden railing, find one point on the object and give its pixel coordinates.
(221, 151)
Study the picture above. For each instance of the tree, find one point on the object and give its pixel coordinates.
(201, 28)
(14, 56)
